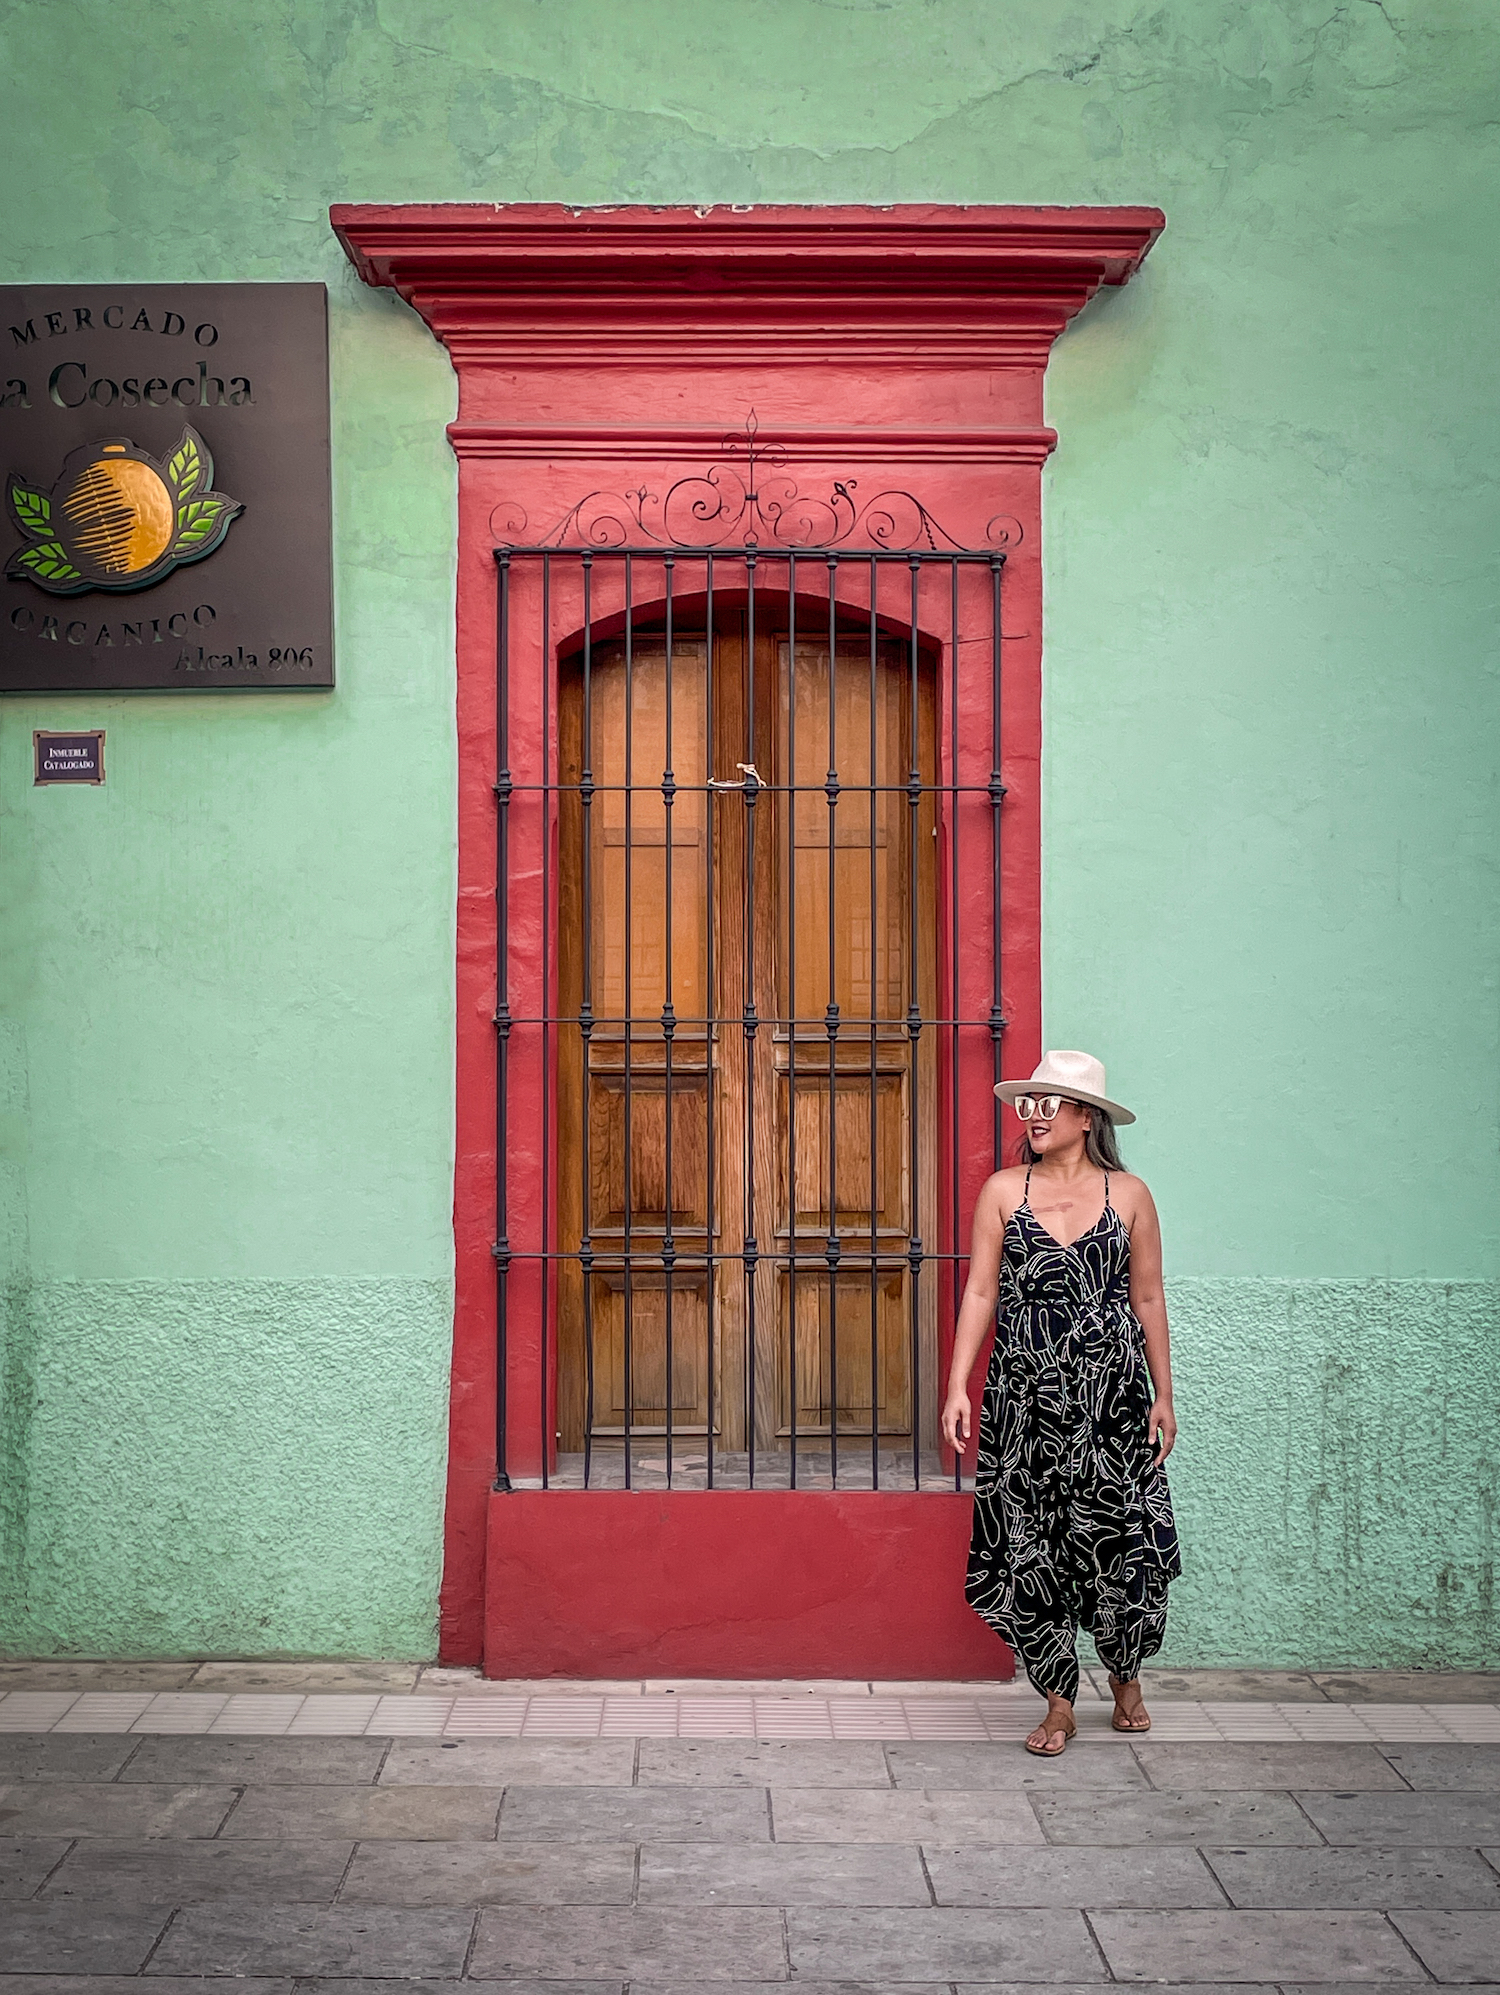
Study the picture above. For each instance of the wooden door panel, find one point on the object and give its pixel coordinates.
(649, 1159)
(635, 828)
(642, 1305)
(867, 1127)
(835, 1319)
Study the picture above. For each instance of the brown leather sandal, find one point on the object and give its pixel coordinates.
(1049, 1728)
(1138, 1720)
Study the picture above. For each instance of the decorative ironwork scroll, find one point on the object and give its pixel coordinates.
(750, 500)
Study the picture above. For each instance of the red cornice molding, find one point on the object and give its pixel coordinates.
(905, 286)
(793, 446)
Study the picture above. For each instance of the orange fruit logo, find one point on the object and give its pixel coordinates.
(118, 518)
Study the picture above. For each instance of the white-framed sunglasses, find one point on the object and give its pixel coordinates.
(1039, 1107)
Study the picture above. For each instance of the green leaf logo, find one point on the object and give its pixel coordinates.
(32, 511)
(118, 518)
(185, 466)
(47, 563)
(196, 521)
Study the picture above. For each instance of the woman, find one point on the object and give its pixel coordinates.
(1072, 1519)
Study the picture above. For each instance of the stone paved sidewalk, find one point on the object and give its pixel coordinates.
(554, 1864)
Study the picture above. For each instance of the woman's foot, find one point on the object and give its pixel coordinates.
(1131, 1714)
(1051, 1737)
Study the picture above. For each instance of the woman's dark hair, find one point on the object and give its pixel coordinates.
(1099, 1144)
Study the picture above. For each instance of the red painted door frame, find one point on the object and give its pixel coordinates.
(610, 349)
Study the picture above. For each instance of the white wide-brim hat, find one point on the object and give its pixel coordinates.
(1079, 1076)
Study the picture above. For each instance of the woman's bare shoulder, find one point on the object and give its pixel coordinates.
(1006, 1188)
(1130, 1194)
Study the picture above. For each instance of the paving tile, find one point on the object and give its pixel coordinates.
(1111, 1988)
(34, 1710)
(166, 1871)
(897, 1944)
(1410, 1686)
(257, 1762)
(316, 1985)
(1205, 1816)
(635, 1814)
(1432, 1820)
(761, 1763)
(96, 1675)
(74, 1808)
(409, 1814)
(1350, 1879)
(78, 1939)
(104, 1711)
(1267, 1765)
(800, 1988)
(781, 1874)
(63, 1755)
(310, 1678)
(490, 1874)
(1474, 1767)
(1456, 1946)
(652, 1942)
(297, 1939)
(1346, 1988)
(1246, 1686)
(25, 1862)
(121, 1984)
(907, 1815)
(509, 1763)
(961, 1765)
(1160, 1875)
(1252, 1946)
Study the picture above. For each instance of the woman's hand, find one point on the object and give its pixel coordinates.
(1161, 1428)
(956, 1420)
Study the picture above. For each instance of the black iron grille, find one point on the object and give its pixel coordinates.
(758, 791)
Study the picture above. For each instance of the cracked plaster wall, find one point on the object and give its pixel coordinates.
(225, 1048)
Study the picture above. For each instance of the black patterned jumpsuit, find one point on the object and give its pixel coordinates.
(1072, 1519)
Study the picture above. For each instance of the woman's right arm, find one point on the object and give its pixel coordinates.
(976, 1312)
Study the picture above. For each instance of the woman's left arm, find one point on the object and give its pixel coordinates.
(1148, 1300)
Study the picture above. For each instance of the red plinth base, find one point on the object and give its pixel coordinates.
(733, 1584)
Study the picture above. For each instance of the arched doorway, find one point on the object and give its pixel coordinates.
(747, 929)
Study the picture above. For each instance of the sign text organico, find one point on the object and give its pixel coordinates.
(165, 458)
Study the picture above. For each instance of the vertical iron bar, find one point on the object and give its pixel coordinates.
(955, 1288)
(503, 786)
(710, 1005)
(876, 801)
(751, 1246)
(668, 1024)
(997, 794)
(789, 916)
(586, 1012)
(914, 1029)
(629, 1009)
(831, 1025)
(549, 918)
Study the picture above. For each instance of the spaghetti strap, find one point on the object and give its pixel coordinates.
(1106, 1191)
(1026, 1194)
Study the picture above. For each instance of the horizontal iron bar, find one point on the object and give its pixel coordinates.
(746, 555)
(816, 1025)
(760, 789)
(648, 1260)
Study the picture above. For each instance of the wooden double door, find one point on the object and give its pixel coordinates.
(746, 1142)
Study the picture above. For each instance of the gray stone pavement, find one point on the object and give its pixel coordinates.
(659, 1866)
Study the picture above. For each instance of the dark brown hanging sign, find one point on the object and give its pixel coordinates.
(165, 520)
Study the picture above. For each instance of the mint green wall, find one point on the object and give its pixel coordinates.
(1270, 782)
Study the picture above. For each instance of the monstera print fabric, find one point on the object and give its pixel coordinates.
(1073, 1522)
